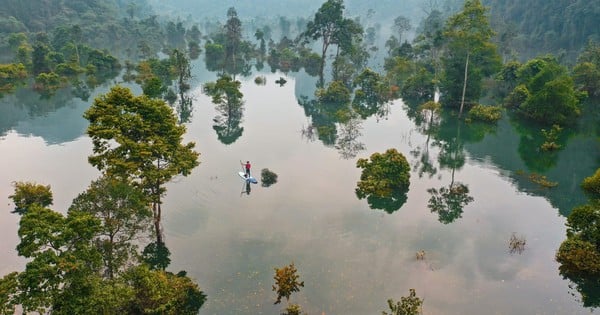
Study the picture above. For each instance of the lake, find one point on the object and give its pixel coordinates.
(351, 258)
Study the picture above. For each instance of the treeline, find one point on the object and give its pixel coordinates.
(534, 27)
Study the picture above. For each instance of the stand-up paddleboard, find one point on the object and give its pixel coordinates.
(248, 179)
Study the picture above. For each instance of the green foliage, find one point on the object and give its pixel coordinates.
(383, 173)
(28, 194)
(419, 86)
(161, 292)
(591, 184)
(545, 92)
(579, 254)
(286, 282)
(124, 215)
(11, 75)
(268, 177)
(225, 92)
(293, 309)
(139, 139)
(408, 305)
(490, 114)
(335, 93)
(470, 56)
(154, 88)
(551, 137)
(48, 81)
(586, 76)
(579, 257)
(517, 97)
(370, 92)
(331, 27)
(555, 103)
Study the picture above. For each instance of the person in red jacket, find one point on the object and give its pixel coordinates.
(247, 167)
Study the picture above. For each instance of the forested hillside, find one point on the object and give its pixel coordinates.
(535, 26)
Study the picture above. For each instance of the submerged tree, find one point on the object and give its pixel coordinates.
(139, 139)
(384, 180)
(579, 254)
(470, 55)
(286, 283)
(408, 305)
(331, 27)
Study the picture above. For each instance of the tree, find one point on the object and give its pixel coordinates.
(286, 282)
(383, 173)
(470, 54)
(330, 26)
(401, 25)
(408, 305)
(28, 194)
(579, 254)
(233, 35)
(139, 139)
(384, 180)
(161, 292)
(124, 215)
(61, 259)
(591, 184)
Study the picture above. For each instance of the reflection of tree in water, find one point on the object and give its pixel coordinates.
(347, 143)
(530, 142)
(323, 120)
(429, 113)
(448, 202)
(226, 96)
(228, 128)
(390, 203)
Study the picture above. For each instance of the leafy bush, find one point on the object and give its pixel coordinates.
(485, 113)
(383, 174)
(268, 177)
(592, 184)
(336, 93)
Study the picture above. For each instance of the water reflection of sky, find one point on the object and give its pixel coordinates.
(351, 258)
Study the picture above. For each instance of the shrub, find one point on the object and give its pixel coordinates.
(592, 184)
(268, 177)
(485, 113)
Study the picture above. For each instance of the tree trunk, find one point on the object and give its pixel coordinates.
(462, 101)
(157, 213)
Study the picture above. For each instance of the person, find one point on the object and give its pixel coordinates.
(247, 167)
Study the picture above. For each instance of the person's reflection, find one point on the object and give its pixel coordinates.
(247, 188)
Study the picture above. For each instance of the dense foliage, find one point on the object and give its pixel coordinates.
(579, 254)
(138, 138)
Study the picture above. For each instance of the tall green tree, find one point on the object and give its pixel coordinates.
(138, 138)
(470, 55)
(124, 215)
(233, 35)
(328, 25)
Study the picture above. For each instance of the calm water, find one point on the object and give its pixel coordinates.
(351, 258)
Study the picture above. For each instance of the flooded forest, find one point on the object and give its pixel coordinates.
(300, 157)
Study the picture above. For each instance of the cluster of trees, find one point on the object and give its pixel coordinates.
(579, 254)
(90, 260)
(57, 54)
